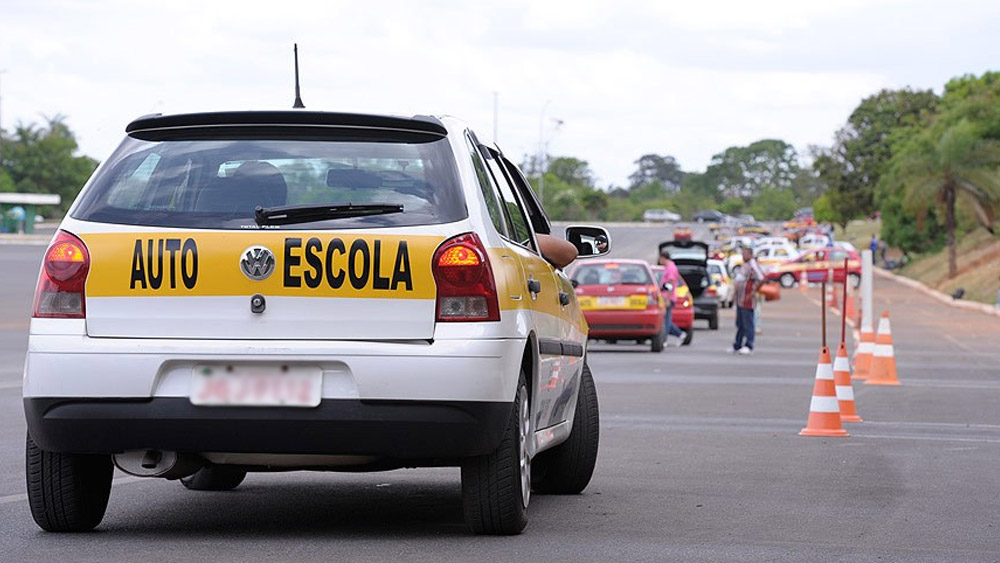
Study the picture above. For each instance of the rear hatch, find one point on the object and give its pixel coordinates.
(613, 286)
(269, 226)
(691, 258)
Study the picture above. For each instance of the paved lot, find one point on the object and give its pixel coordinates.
(700, 461)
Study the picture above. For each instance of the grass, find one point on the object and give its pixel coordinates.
(978, 257)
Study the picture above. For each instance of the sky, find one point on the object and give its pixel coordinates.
(602, 81)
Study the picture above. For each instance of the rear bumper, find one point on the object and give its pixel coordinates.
(624, 324)
(683, 318)
(390, 429)
(706, 308)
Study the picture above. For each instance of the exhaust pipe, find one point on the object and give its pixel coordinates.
(158, 463)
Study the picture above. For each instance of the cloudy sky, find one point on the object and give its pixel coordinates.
(624, 77)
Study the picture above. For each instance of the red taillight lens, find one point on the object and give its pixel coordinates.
(466, 290)
(712, 291)
(60, 290)
(653, 298)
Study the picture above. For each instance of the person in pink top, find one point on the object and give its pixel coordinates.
(667, 284)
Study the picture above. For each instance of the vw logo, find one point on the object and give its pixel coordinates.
(257, 263)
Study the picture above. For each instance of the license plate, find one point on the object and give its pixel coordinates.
(611, 301)
(233, 385)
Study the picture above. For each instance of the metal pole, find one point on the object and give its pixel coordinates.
(541, 154)
(843, 309)
(867, 271)
(1, 121)
(823, 289)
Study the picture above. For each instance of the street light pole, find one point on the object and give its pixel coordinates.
(541, 153)
(1, 121)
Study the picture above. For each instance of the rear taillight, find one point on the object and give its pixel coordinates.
(712, 291)
(653, 298)
(466, 290)
(60, 290)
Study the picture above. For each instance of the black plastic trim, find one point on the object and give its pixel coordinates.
(392, 429)
(554, 347)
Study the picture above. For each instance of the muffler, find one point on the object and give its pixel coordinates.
(158, 463)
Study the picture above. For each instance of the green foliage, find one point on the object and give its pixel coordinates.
(655, 168)
(851, 169)
(823, 210)
(571, 171)
(732, 206)
(910, 232)
(43, 160)
(6, 182)
(774, 204)
(743, 172)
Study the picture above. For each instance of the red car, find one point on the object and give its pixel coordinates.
(621, 301)
(683, 314)
(816, 264)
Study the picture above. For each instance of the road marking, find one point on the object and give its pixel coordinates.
(11, 385)
(22, 497)
(955, 341)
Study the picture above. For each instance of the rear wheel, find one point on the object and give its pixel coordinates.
(787, 280)
(656, 343)
(496, 487)
(214, 478)
(567, 468)
(67, 492)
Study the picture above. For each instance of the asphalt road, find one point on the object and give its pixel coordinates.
(700, 461)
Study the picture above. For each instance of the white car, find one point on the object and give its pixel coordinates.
(660, 216)
(268, 291)
(813, 240)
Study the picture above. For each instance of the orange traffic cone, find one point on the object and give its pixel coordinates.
(803, 281)
(831, 296)
(849, 309)
(824, 410)
(863, 354)
(845, 391)
(883, 370)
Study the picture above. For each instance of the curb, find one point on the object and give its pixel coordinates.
(39, 240)
(940, 296)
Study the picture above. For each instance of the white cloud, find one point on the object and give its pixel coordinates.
(628, 78)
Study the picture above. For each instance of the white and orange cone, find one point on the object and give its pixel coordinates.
(824, 410)
(803, 281)
(845, 390)
(863, 353)
(831, 296)
(883, 370)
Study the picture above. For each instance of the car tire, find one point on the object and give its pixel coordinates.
(855, 280)
(787, 280)
(214, 478)
(496, 487)
(656, 343)
(688, 338)
(713, 322)
(567, 468)
(67, 492)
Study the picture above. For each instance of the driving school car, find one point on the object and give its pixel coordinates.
(621, 300)
(816, 265)
(269, 291)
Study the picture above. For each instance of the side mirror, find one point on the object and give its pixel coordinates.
(667, 287)
(590, 241)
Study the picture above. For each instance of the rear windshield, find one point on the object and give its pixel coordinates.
(217, 184)
(612, 274)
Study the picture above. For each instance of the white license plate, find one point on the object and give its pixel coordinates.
(611, 301)
(233, 385)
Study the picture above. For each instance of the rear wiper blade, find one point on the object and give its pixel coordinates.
(290, 214)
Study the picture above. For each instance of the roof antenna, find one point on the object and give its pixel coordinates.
(298, 98)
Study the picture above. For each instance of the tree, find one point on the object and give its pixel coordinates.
(656, 168)
(744, 171)
(43, 160)
(571, 170)
(939, 166)
(851, 169)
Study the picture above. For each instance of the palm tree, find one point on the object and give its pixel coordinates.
(939, 168)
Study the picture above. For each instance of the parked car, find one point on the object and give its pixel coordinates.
(709, 215)
(770, 257)
(817, 264)
(683, 313)
(814, 240)
(723, 282)
(268, 291)
(660, 216)
(620, 300)
(691, 258)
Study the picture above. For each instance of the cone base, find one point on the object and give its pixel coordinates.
(882, 382)
(850, 418)
(841, 433)
(859, 377)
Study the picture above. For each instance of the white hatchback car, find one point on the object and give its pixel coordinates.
(262, 291)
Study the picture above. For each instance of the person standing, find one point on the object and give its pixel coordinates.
(668, 283)
(748, 279)
(873, 245)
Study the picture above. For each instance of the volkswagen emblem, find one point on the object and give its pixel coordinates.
(257, 262)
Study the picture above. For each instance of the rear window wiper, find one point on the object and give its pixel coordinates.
(291, 214)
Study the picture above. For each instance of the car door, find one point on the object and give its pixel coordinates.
(551, 299)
